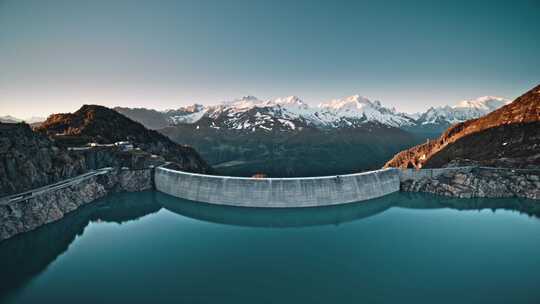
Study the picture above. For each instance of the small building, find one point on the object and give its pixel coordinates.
(124, 145)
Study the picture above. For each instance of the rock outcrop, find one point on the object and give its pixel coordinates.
(27, 215)
(507, 137)
(479, 182)
(30, 160)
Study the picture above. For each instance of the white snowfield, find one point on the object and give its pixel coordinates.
(291, 113)
(464, 110)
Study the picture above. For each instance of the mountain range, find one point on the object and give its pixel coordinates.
(287, 137)
(11, 119)
(280, 137)
(286, 114)
(436, 119)
(506, 137)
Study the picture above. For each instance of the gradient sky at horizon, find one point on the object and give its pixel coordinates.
(56, 55)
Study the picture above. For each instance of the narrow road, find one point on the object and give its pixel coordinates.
(14, 198)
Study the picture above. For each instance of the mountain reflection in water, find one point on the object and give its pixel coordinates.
(26, 255)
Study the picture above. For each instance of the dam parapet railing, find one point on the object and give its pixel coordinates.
(277, 192)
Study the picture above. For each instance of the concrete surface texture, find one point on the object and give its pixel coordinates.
(277, 192)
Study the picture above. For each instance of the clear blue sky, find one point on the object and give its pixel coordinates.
(57, 55)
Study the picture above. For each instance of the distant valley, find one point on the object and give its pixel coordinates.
(286, 137)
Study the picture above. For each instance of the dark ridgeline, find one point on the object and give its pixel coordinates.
(98, 124)
(507, 137)
(151, 119)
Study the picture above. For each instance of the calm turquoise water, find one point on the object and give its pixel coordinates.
(152, 248)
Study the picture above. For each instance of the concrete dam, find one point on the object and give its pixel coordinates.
(277, 192)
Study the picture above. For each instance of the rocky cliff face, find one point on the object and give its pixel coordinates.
(30, 160)
(480, 182)
(51, 206)
(98, 124)
(507, 137)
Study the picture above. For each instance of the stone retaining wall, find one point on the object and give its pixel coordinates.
(52, 205)
(474, 182)
(418, 174)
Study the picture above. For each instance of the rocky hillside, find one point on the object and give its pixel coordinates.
(480, 182)
(29, 160)
(98, 124)
(507, 137)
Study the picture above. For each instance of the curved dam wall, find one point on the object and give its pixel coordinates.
(277, 192)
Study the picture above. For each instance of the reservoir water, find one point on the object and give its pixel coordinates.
(403, 248)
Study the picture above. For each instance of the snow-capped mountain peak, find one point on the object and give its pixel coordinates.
(290, 101)
(485, 103)
(466, 109)
(354, 102)
(187, 114)
(362, 109)
(245, 102)
(250, 113)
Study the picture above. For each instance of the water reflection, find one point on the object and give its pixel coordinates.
(275, 217)
(429, 201)
(26, 255)
(334, 215)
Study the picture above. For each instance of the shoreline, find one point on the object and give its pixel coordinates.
(53, 203)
